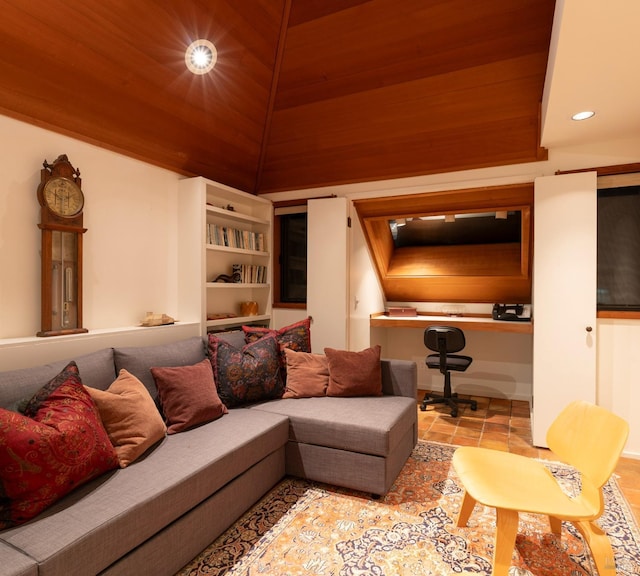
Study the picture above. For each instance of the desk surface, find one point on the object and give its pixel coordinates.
(483, 323)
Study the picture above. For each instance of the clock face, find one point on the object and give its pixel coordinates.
(63, 197)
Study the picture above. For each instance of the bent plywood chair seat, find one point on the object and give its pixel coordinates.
(585, 436)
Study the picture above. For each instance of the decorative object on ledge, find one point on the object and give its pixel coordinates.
(221, 315)
(453, 309)
(249, 308)
(152, 319)
(228, 278)
(61, 203)
(402, 311)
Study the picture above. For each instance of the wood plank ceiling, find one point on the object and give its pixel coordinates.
(305, 93)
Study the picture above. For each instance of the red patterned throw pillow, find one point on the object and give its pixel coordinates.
(59, 444)
(247, 374)
(296, 337)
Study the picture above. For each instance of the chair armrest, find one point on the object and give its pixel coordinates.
(399, 378)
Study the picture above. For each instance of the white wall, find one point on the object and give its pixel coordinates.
(130, 259)
(130, 256)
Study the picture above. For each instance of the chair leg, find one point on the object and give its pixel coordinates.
(556, 525)
(448, 398)
(506, 530)
(600, 547)
(468, 504)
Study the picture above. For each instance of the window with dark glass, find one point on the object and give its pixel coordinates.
(293, 258)
(457, 229)
(619, 248)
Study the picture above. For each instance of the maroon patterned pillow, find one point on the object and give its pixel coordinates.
(59, 444)
(247, 374)
(296, 337)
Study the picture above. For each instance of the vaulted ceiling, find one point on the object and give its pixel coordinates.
(305, 93)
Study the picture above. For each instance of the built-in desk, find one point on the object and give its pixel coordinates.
(484, 323)
(502, 352)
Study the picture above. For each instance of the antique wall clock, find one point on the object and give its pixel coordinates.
(61, 205)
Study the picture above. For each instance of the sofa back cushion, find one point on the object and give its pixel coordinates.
(96, 370)
(138, 360)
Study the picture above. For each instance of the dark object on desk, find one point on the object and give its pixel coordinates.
(510, 312)
(446, 340)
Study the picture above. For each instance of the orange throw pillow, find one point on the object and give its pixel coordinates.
(307, 374)
(130, 417)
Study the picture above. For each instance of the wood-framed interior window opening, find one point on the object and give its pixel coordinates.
(472, 245)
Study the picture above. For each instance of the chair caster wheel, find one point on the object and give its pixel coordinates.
(454, 413)
(423, 407)
(474, 406)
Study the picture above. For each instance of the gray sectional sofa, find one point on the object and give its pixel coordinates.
(155, 515)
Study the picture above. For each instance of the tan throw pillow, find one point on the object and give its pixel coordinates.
(188, 395)
(129, 416)
(307, 374)
(354, 373)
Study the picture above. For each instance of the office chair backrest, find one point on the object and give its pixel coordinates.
(449, 337)
(589, 438)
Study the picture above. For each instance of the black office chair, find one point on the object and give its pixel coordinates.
(445, 340)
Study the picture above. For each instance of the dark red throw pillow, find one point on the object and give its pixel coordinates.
(354, 373)
(59, 444)
(188, 395)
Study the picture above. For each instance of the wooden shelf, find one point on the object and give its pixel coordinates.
(236, 320)
(220, 248)
(233, 216)
(480, 323)
(235, 285)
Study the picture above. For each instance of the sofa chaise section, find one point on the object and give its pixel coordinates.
(359, 443)
(102, 521)
(15, 563)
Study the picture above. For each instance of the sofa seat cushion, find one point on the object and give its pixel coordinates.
(369, 425)
(15, 563)
(101, 521)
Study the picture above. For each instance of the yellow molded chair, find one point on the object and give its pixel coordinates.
(583, 435)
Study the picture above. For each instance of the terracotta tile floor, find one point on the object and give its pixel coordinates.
(505, 425)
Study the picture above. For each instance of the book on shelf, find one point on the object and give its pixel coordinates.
(235, 238)
(250, 273)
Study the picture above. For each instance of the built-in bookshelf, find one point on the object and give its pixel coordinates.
(234, 237)
(225, 248)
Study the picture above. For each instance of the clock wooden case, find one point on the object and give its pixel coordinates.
(61, 214)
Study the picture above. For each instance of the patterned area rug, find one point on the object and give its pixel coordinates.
(302, 528)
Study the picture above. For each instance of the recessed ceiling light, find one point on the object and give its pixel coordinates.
(201, 56)
(585, 115)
